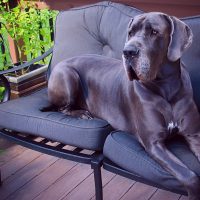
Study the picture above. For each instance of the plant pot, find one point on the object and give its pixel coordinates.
(28, 82)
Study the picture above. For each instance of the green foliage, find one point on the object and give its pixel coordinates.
(2, 90)
(28, 26)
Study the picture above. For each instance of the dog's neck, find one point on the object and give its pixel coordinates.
(168, 80)
(169, 71)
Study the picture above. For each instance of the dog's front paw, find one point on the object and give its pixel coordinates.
(86, 115)
(49, 108)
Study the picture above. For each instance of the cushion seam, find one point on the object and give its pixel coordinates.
(102, 127)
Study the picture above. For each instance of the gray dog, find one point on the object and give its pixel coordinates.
(151, 99)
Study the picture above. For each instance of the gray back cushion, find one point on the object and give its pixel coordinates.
(94, 29)
(101, 29)
(191, 58)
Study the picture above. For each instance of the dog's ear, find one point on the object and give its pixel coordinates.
(180, 38)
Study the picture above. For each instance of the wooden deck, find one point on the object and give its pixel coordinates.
(31, 175)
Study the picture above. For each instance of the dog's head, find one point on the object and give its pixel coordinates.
(152, 39)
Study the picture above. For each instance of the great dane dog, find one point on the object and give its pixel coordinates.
(149, 94)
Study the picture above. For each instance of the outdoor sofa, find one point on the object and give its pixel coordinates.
(94, 29)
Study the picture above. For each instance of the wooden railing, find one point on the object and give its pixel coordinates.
(179, 8)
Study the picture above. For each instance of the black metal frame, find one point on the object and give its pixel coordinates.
(30, 141)
(4, 80)
(6, 84)
(95, 160)
(27, 64)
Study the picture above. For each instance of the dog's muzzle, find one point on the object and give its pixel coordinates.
(130, 54)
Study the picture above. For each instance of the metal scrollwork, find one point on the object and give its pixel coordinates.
(4, 83)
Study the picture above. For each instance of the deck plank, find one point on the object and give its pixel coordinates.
(79, 192)
(23, 176)
(43, 181)
(67, 183)
(18, 162)
(31, 175)
(139, 191)
(117, 187)
(88, 185)
(10, 153)
(165, 195)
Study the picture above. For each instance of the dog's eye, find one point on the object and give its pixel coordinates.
(154, 32)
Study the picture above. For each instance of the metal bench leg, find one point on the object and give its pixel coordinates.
(0, 178)
(96, 164)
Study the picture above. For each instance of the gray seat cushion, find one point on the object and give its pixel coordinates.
(124, 150)
(23, 115)
(92, 29)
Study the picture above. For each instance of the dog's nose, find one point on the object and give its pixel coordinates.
(130, 51)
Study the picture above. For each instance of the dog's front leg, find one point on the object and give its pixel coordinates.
(189, 126)
(194, 142)
(172, 164)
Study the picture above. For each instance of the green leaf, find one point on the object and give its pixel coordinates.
(2, 91)
(25, 23)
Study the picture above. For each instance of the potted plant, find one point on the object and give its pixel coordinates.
(30, 31)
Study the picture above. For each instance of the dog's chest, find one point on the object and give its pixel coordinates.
(172, 127)
(154, 112)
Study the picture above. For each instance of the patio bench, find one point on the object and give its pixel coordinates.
(94, 29)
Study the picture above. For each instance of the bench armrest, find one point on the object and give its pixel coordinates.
(24, 65)
(4, 80)
(6, 84)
